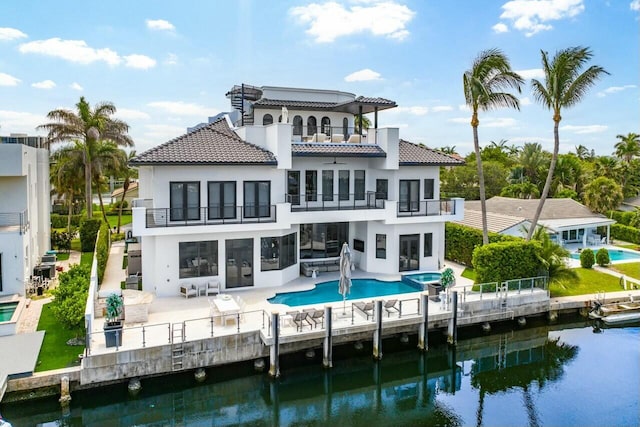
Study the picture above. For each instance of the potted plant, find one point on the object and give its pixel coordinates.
(448, 278)
(113, 325)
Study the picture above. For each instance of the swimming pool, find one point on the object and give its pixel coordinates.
(427, 277)
(615, 255)
(328, 292)
(7, 310)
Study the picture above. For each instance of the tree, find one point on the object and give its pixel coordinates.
(448, 149)
(552, 257)
(70, 298)
(602, 195)
(127, 173)
(628, 147)
(483, 86)
(87, 126)
(533, 160)
(106, 160)
(565, 85)
(366, 123)
(66, 175)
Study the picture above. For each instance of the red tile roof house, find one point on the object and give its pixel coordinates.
(256, 200)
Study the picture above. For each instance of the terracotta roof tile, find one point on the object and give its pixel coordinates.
(417, 155)
(526, 208)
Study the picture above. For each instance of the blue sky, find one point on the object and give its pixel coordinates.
(166, 65)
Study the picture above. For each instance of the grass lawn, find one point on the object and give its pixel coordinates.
(113, 220)
(631, 269)
(75, 245)
(55, 353)
(469, 273)
(86, 258)
(62, 256)
(589, 282)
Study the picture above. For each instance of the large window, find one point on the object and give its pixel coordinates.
(343, 185)
(381, 246)
(222, 199)
(257, 199)
(382, 189)
(311, 186)
(325, 123)
(293, 187)
(278, 252)
(428, 188)
(409, 195)
(239, 271)
(311, 126)
(267, 119)
(297, 125)
(358, 185)
(198, 259)
(327, 185)
(184, 201)
(428, 244)
(322, 240)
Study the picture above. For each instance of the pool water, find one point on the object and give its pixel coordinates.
(7, 310)
(616, 255)
(425, 277)
(328, 292)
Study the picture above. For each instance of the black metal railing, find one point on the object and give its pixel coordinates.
(426, 207)
(15, 220)
(334, 202)
(213, 215)
(334, 134)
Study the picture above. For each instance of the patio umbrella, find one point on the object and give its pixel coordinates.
(345, 275)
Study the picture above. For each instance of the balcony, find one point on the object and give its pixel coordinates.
(334, 202)
(426, 208)
(329, 134)
(14, 221)
(212, 215)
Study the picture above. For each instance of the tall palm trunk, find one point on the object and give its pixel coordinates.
(547, 184)
(104, 214)
(483, 202)
(87, 185)
(125, 187)
(69, 213)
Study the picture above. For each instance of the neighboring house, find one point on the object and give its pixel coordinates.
(132, 193)
(259, 204)
(630, 204)
(24, 213)
(565, 219)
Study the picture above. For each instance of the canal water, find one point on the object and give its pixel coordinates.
(570, 374)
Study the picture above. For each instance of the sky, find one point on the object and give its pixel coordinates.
(166, 65)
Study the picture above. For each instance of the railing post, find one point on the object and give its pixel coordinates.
(143, 337)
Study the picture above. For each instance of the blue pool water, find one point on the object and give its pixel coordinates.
(425, 277)
(328, 292)
(616, 255)
(7, 310)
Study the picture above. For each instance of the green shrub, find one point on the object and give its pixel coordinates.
(102, 249)
(626, 233)
(117, 236)
(460, 241)
(60, 221)
(587, 259)
(70, 298)
(88, 232)
(602, 257)
(497, 262)
(61, 240)
(623, 218)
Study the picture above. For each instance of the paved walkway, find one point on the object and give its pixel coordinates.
(114, 274)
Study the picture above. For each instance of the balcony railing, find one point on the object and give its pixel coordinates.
(212, 215)
(14, 221)
(334, 202)
(334, 134)
(426, 208)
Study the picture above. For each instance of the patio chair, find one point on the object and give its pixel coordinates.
(365, 308)
(214, 312)
(391, 305)
(213, 287)
(301, 319)
(315, 316)
(189, 290)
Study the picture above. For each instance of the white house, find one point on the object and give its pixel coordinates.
(258, 202)
(24, 213)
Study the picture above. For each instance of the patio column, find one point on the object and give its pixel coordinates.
(584, 239)
(608, 233)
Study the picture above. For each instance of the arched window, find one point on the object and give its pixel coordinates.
(267, 119)
(297, 125)
(345, 128)
(280, 118)
(326, 125)
(312, 126)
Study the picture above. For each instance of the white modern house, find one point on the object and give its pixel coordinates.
(260, 201)
(24, 213)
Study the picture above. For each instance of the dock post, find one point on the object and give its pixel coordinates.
(274, 353)
(452, 333)
(423, 331)
(377, 335)
(65, 392)
(327, 354)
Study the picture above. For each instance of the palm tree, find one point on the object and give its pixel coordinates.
(602, 195)
(66, 175)
(87, 126)
(105, 161)
(448, 149)
(366, 123)
(483, 85)
(127, 173)
(628, 147)
(565, 85)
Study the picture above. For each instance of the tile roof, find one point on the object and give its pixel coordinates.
(496, 223)
(264, 102)
(376, 100)
(418, 155)
(336, 150)
(526, 208)
(215, 143)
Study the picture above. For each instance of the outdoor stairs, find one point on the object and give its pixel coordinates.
(177, 349)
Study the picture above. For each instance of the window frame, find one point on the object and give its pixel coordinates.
(429, 188)
(199, 255)
(427, 245)
(410, 205)
(286, 252)
(267, 120)
(223, 206)
(381, 250)
(311, 185)
(187, 211)
(327, 185)
(384, 192)
(359, 184)
(342, 196)
(258, 205)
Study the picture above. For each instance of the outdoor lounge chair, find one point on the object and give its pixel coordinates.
(300, 319)
(391, 305)
(189, 290)
(315, 316)
(213, 287)
(365, 308)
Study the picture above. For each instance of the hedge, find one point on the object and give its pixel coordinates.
(60, 221)
(626, 233)
(460, 241)
(497, 262)
(587, 259)
(88, 232)
(621, 217)
(102, 249)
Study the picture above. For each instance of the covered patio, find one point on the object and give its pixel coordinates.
(582, 232)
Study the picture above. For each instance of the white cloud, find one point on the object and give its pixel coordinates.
(8, 80)
(531, 73)
(363, 76)
(634, 5)
(464, 107)
(533, 16)
(500, 28)
(161, 133)
(525, 101)
(160, 25)
(439, 108)
(172, 59)
(20, 121)
(11, 34)
(417, 110)
(331, 20)
(180, 108)
(45, 84)
(130, 114)
(584, 129)
(76, 86)
(615, 89)
(141, 62)
(465, 120)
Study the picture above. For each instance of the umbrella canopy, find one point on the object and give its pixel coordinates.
(345, 271)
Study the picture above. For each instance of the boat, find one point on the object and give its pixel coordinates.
(617, 312)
